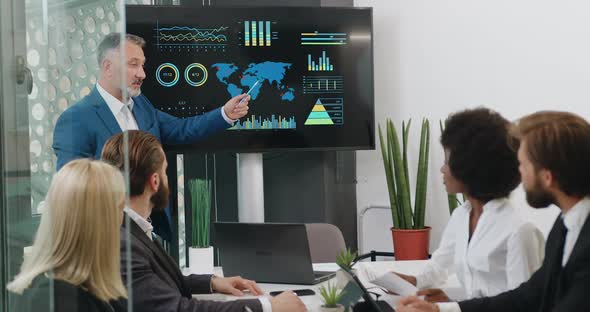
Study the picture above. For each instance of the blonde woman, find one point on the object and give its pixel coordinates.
(75, 256)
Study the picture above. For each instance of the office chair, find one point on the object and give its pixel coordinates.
(325, 242)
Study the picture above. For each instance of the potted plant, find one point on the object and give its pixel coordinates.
(410, 237)
(346, 258)
(331, 296)
(451, 198)
(200, 253)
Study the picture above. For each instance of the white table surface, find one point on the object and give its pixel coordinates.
(314, 302)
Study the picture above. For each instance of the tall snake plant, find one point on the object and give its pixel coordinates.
(201, 210)
(395, 161)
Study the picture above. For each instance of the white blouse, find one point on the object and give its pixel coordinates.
(503, 252)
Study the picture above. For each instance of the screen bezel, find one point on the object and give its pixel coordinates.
(371, 128)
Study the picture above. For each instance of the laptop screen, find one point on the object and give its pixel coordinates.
(265, 252)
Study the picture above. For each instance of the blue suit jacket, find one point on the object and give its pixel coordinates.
(83, 128)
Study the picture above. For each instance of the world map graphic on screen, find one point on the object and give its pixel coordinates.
(238, 82)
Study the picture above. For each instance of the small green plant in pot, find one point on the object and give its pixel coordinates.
(410, 237)
(331, 295)
(200, 252)
(346, 258)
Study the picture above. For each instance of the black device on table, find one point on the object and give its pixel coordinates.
(298, 292)
(354, 290)
(267, 252)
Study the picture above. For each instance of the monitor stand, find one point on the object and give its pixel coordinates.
(250, 188)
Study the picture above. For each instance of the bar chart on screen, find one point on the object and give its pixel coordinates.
(260, 123)
(323, 38)
(322, 63)
(323, 84)
(258, 33)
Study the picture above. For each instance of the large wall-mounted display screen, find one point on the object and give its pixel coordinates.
(309, 72)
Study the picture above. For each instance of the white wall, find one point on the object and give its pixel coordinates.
(433, 57)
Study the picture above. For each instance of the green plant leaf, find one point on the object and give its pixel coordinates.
(453, 202)
(405, 137)
(422, 176)
(385, 153)
(346, 258)
(393, 153)
(403, 189)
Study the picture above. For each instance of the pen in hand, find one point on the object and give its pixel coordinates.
(248, 93)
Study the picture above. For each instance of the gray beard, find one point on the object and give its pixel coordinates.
(132, 92)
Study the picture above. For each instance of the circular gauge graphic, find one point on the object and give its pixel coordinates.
(195, 74)
(167, 74)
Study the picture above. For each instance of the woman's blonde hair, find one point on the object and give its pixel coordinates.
(78, 238)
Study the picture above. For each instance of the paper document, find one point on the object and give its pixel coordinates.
(396, 284)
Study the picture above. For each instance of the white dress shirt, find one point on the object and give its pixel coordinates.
(144, 224)
(503, 251)
(123, 112)
(147, 228)
(574, 220)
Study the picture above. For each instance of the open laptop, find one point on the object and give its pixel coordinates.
(266, 252)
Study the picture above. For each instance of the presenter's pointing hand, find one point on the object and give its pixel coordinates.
(237, 107)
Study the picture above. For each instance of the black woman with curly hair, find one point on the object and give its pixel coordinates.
(485, 243)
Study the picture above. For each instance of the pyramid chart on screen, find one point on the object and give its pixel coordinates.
(319, 116)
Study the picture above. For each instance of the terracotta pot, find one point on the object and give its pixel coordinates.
(411, 244)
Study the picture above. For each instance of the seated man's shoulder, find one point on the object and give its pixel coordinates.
(136, 245)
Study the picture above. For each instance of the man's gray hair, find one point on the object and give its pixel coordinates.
(113, 41)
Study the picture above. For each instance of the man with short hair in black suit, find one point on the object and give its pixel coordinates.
(156, 281)
(554, 156)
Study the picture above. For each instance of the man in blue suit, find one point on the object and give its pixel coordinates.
(115, 105)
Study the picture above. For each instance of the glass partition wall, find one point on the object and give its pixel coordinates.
(48, 51)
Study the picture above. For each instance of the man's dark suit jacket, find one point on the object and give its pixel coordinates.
(548, 290)
(159, 286)
(66, 298)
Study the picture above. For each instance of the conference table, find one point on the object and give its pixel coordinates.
(314, 302)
